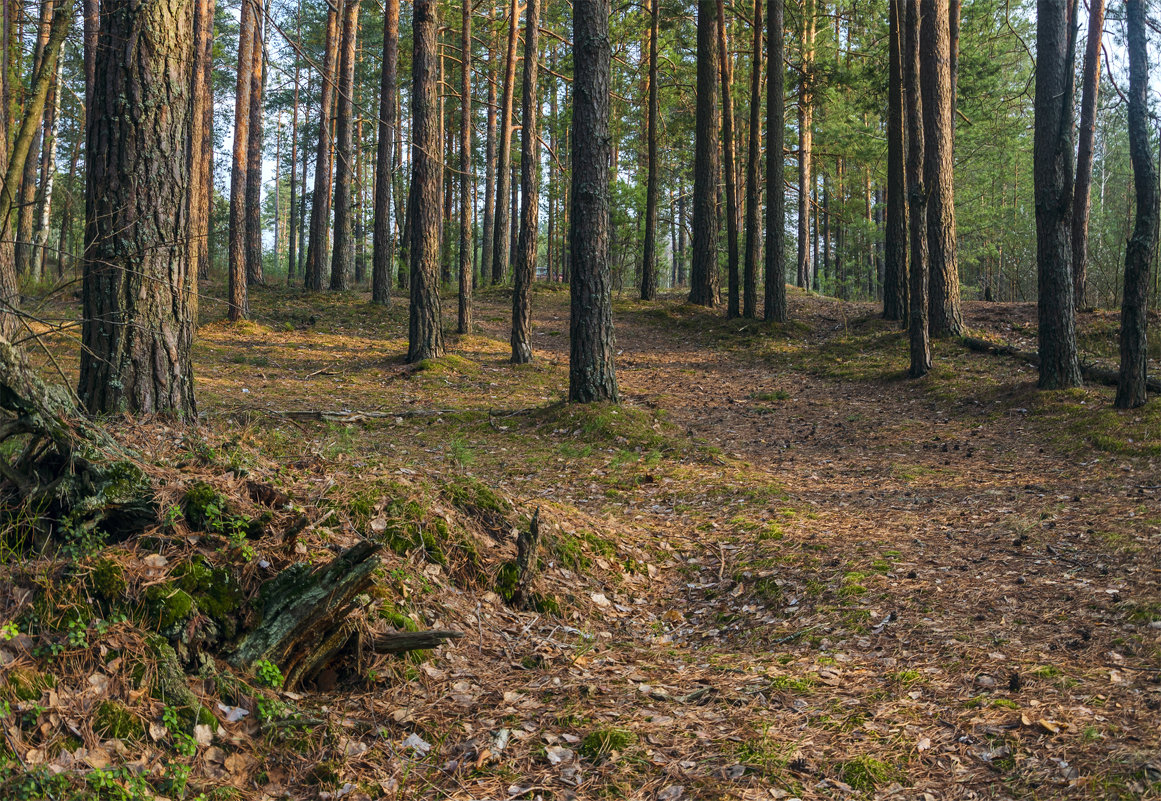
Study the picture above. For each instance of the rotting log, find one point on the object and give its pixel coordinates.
(526, 563)
(399, 642)
(1091, 373)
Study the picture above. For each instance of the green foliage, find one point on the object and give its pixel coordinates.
(601, 742)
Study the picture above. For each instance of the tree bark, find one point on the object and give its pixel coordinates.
(524, 267)
(383, 242)
(26, 263)
(729, 167)
(918, 331)
(504, 156)
(805, 141)
(649, 256)
(895, 268)
(342, 255)
(591, 372)
(1090, 88)
(320, 207)
(464, 307)
(1052, 160)
(425, 335)
(489, 223)
(254, 150)
(753, 165)
(201, 140)
(47, 178)
(775, 289)
(703, 278)
(1131, 384)
(138, 324)
(292, 211)
(239, 177)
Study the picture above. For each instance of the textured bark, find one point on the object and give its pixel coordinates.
(383, 243)
(729, 162)
(524, 267)
(946, 319)
(649, 256)
(895, 267)
(47, 179)
(292, 211)
(320, 207)
(775, 289)
(26, 262)
(489, 223)
(201, 139)
(1131, 386)
(703, 279)
(138, 323)
(504, 156)
(1090, 87)
(425, 334)
(918, 331)
(805, 140)
(343, 253)
(591, 373)
(753, 165)
(239, 174)
(464, 307)
(254, 150)
(1052, 163)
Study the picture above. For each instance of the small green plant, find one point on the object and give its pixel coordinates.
(268, 673)
(601, 742)
(183, 742)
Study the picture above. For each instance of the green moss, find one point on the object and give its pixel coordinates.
(107, 581)
(447, 365)
(204, 507)
(507, 580)
(865, 773)
(474, 497)
(213, 589)
(567, 552)
(167, 605)
(396, 617)
(28, 685)
(601, 742)
(116, 721)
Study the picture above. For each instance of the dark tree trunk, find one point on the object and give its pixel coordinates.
(383, 243)
(895, 269)
(201, 139)
(753, 165)
(138, 287)
(320, 207)
(239, 175)
(464, 316)
(1090, 88)
(342, 256)
(524, 267)
(504, 156)
(489, 224)
(591, 373)
(649, 257)
(703, 279)
(1131, 391)
(1052, 160)
(775, 290)
(918, 331)
(254, 151)
(729, 162)
(945, 317)
(425, 334)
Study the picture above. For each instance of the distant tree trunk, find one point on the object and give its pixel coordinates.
(946, 319)
(775, 289)
(425, 334)
(383, 242)
(1139, 253)
(753, 165)
(649, 256)
(138, 285)
(239, 177)
(343, 253)
(504, 157)
(524, 269)
(254, 150)
(1090, 88)
(47, 177)
(895, 271)
(918, 331)
(805, 140)
(591, 373)
(703, 281)
(26, 263)
(320, 207)
(292, 218)
(1052, 160)
(302, 205)
(201, 140)
(729, 162)
(681, 218)
(464, 316)
(489, 224)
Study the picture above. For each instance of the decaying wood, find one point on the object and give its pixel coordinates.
(526, 562)
(398, 642)
(1091, 373)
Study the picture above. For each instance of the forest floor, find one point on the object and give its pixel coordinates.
(779, 569)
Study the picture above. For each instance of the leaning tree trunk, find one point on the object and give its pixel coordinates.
(1080, 201)
(382, 240)
(649, 256)
(464, 309)
(1131, 390)
(729, 167)
(320, 207)
(703, 279)
(895, 268)
(525, 264)
(138, 323)
(1052, 160)
(343, 251)
(239, 175)
(504, 156)
(775, 289)
(591, 373)
(919, 332)
(753, 164)
(425, 336)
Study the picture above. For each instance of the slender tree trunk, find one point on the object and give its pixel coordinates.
(138, 285)
(320, 207)
(47, 177)
(1139, 253)
(895, 270)
(425, 334)
(26, 261)
(918, 331)
(489, 225)
(201, 140)
(753, 165)
(292, 212)
(239, 177)
(302, 205)
(524, 267)
(342, 254)
(68, 208)
(254, 150)
(805, 140)
(649, 257)
(729, 162)
(504, 157)
(1090, 87)
(775, 289)
(592, 376)
(1052, 159)
(681, 218)
(464, 316)
(706, 162)
(383, 241)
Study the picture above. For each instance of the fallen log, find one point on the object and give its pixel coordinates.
(1090, 372)
(398, 642)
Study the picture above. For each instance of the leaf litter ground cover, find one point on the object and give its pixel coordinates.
(777, 570)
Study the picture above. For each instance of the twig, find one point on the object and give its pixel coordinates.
(796, 634)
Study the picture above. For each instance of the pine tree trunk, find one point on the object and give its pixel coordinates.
(254, 151)
(591, 373)
(320, 207)
(464, 309)
(47, 178)
(504, 156)
(918, 332)
(489, 223)
(525, 261)
(703, 278)
(239, 177)
(383, 241)
(138, 324)
(649, 257)
(26, 261)
(895, 269)
(733, 284)
(1090, 88)
(292, 211)
(775, 289)
(201, 140)
(425, 335)
(753, 165)
(342, 253)
(805, 141)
